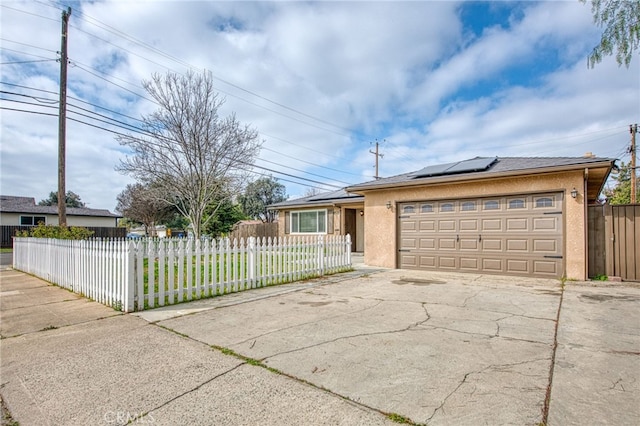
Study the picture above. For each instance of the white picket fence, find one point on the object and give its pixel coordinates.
(135, 275)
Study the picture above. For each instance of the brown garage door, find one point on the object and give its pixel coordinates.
(517, 235)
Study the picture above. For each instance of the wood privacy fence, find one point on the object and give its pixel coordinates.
(258, 230)
(136, 275)
(614, 241)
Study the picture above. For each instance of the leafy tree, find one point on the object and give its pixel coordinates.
(140, 203)
(261, 193)
(226, 214)
(621, 193)
(189, 151)
(621, 22)
(71, 198)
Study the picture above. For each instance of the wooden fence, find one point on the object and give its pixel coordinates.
(258, 230)
(614, 241)
(9, 231)
(136, 275)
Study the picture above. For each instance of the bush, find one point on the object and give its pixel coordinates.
(57, 232)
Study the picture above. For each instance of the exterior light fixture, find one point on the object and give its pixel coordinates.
(389, 205)
(361, 212)
(574, 193)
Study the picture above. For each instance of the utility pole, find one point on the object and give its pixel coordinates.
(633, 129)
(378, 155)
(62, 122)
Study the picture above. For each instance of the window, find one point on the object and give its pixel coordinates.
(468, 206)
(32, 220)
(491, 205)
(516, 204)
(426, 208)
(408, 209)
(446, 207)
(312, 222)
(544, 202)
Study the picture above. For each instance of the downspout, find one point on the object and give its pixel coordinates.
(586, 224)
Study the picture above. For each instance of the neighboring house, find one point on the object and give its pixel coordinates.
(336, 212)
(518, 216)
(23, 211)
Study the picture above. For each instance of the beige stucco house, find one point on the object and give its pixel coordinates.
(23, 211)
(336, 212)
(499, 215)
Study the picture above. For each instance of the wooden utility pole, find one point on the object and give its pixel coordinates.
(633, 129)
(378, 155)
(62, 122)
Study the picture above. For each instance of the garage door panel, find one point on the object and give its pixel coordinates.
(502, 235)
(517, 245)
(427, 225)
(545, 246)
(469, 244)
(447, 225)
(468, 225)
(489, 225)
(517, 224)
(447, 262)
(428, 262)
(519, 266)
(447, 243)
(489, 244)
(548, 223)
(427, 243)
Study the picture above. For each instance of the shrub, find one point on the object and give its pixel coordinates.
(58, 232)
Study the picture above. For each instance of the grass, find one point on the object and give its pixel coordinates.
(6, 250)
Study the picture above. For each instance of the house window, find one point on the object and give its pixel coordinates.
(309, 222)
(516, 204)
(544, 202)
(32, 220)
(491, 205)
(426, 208)
(408, 209)
(446, 207)
(468, 206)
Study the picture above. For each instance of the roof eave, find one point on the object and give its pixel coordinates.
(473, 177)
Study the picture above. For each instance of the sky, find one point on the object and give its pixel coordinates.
(322, 82)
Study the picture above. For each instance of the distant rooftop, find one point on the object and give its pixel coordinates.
(13, 204)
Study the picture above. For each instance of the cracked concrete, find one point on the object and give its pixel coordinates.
(439, 348)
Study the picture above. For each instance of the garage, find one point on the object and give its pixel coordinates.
(513, 234)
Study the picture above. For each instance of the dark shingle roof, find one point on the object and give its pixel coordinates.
(339, 196)
(12, 204)
(502, 165)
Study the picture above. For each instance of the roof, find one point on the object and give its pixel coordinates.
(341, 196)
(13, 204)
(485, 168)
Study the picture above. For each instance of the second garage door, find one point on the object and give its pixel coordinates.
(517, 235)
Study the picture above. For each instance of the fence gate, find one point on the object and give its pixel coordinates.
(614, 241)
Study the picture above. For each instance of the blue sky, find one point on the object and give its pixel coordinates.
(432, 82)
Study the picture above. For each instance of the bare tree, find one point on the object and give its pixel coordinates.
(192, 154)
(139, 203)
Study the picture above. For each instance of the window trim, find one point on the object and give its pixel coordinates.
(450, 207)
(545, 198)
(514, 206)
(490, 203)
(294, 218)
(464, 206)
(34, 220)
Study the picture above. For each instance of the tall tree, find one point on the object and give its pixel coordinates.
(192, 154)
(71, 199)
(621, 22)
(261, 193)
(621, 192)
(139, 203)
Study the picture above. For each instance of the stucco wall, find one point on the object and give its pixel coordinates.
(380, 223)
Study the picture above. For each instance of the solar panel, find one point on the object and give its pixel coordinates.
(478, 164)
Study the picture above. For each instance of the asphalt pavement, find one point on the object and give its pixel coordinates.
(368, 347)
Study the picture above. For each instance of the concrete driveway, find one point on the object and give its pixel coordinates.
(358, 348)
